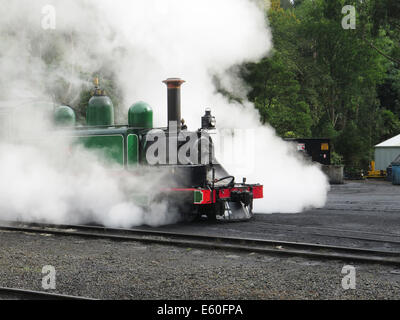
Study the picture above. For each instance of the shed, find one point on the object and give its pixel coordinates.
(386, 152)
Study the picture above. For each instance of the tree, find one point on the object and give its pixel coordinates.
(324, 81)
(274, 81)
(384, 15)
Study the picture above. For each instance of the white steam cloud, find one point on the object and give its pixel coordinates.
(141, 42)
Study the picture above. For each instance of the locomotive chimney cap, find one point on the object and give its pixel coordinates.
(174, 83)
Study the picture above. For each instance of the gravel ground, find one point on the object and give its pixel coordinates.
(370, 206)
(129, 270)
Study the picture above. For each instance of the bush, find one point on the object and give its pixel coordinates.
(336, 159)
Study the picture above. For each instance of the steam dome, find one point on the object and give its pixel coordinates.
(64, 116)
(100, 110)
(140, 115)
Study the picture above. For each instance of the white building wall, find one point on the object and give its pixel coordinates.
(384, 156)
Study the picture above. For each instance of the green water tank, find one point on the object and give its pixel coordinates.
(140, 115)
(100, 110)
(64, 116)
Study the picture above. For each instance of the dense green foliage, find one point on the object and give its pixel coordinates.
(320, 80)
(325, 81)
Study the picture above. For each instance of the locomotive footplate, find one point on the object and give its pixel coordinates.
(230, 203)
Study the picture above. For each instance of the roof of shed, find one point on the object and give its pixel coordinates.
(392, 142)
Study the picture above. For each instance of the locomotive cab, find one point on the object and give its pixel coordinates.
(197, 184)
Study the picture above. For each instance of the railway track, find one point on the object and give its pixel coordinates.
(275, 247)
(22, 294)
(334, 229)
(366, 236)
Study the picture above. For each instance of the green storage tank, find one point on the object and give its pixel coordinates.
(64, 116)
(140, 115)
(100, 110)
(396, 171)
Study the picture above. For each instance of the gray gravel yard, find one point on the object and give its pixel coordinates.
(128, 270)
(356, 206)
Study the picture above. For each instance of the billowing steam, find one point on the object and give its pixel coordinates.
(140, 43)
(35, 189)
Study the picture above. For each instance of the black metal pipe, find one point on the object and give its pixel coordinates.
(174, 100)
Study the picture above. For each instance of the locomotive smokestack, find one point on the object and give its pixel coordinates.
(174, 99)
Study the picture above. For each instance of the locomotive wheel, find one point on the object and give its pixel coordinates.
(189, 216)
(211, 216)
(214, 210)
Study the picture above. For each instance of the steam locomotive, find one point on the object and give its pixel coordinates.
(193, 182)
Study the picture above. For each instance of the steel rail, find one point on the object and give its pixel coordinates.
(178, 234)
(310, 250)
(291, 228)
(331, 229)
(25, 294)
(394, 210)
